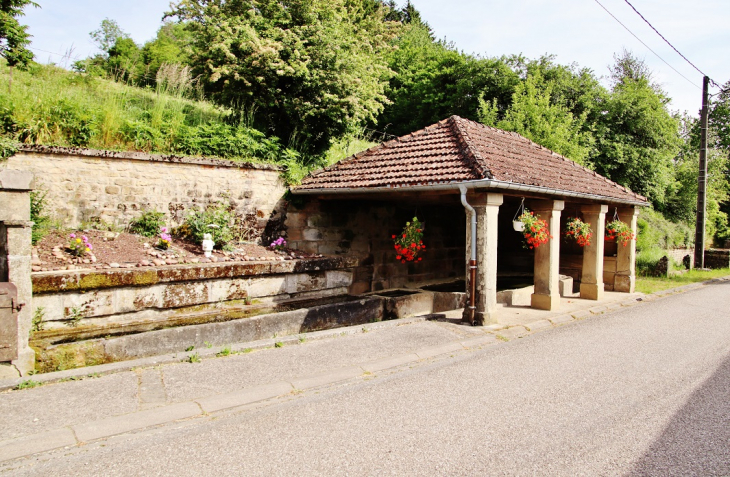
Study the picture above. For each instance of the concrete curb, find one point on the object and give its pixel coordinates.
(203, 353)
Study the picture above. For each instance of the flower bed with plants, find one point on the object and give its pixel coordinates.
(149, 242)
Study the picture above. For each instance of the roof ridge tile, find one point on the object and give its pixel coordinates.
(475, 160)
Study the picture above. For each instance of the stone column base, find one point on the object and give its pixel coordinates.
(591, 291)
(545, 302)
(624, 283)
(484, 318)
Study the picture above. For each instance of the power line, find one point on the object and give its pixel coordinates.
(647, 46)
(667, 42)
(45, 51)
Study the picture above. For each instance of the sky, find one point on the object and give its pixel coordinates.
(575, 31)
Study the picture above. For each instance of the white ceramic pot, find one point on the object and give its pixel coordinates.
(518, 226)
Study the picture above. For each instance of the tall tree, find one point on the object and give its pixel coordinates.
(533, 115)
(107, 34)
(433, 80)
(306, 70)
(637, 138)
(14, 37)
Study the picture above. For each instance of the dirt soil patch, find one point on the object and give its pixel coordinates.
(125, 250)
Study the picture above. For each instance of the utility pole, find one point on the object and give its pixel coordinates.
(702, 181)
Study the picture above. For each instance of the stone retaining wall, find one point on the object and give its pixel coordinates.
(88, 186)
(717, 258)
(364, 228)
(84, 302)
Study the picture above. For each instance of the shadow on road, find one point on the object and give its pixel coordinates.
(697, 440)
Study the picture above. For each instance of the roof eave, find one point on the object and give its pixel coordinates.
(483, 183)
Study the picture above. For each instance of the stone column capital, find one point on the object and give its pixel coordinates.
(630, 211)
(546, 205)
(484, 199)
(594, 209)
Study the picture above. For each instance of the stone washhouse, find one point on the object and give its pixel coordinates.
(444, 172)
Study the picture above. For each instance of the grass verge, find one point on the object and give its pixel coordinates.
(655, 284)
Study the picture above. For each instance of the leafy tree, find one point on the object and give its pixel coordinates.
(682, 197)
(107, 34)
(124, 62)
(534, 116)
(636, 137)
(433, 81)
(14, 37)
(719, 118)
(308, 71)
(172, 45)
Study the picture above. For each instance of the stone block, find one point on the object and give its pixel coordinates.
(52, 307)
(19, 241)
(625, 284)
(545, 302)
(338, 278)
(565, 285)
(90, 304)
(15, 179)
(112, 190)
(358, 288)
(304, 282)
(318, 221)
(15, 206)
(267, 286)
(591, 291)
(184, 294)
(127, 300)
(312, 234)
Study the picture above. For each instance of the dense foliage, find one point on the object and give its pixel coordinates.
(14, 37)
(308, 71)
(304, 83)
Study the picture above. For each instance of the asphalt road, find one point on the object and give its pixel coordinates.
(641, 391)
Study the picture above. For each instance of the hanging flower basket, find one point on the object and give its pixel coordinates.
(620, 231)
(579, 231)
(518, 226)
(409, 244)
(535, 230)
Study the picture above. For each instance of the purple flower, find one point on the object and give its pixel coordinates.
(85, 238)
(72, 236)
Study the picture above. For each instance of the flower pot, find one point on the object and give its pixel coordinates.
(518, 226)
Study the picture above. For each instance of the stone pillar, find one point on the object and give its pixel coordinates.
(16, 225)
(626, 256)
(547, 257)
(591, 282)
(487, 210)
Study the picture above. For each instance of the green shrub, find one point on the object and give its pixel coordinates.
(654, 231)
(8, 147)
(217, 220)
(148, 224)
(40, 220)
(647, 260)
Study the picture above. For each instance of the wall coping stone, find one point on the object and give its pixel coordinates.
(84, 280)
(11, 179)
(143, 156)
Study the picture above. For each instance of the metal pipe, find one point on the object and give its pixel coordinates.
(482, 183)
(471, 310)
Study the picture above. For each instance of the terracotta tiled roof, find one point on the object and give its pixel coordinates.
(459, 150)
